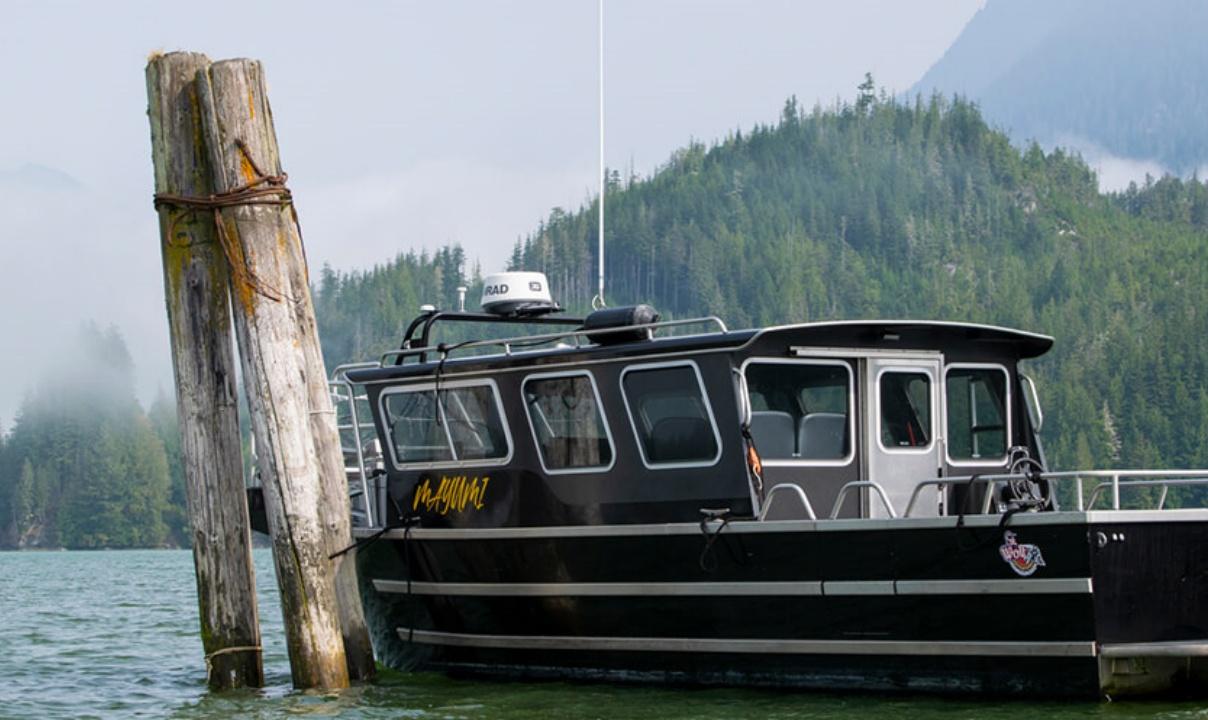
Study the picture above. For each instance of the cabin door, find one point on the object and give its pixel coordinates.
(903, 430)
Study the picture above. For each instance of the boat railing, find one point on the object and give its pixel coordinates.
(1111, 481)
(358, 441)
(797, 491)
(1111, 484)
(789, 489)
(871, 485)
(509, 345)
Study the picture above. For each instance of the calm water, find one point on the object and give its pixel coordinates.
(114, 634)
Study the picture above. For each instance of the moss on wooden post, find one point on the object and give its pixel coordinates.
(305, 490)
(195, 288)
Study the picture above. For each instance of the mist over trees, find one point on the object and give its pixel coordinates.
(83, 466)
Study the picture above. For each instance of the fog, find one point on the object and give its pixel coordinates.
(402, 124)
(1114, 172)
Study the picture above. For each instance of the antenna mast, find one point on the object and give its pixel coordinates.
(598, 301)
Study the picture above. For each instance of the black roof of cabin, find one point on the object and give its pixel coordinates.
(973, 339)
(909, 335)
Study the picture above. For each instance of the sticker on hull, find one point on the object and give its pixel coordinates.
(1024, 558)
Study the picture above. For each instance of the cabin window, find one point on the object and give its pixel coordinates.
(801, 411)
(568, 423)
(464, 428)
(670, 414)
(905, 406)
(978, 413)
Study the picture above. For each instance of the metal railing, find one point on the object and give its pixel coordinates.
(577, 336)
(880, 491)
(1113, 484)
(1113, 480)
(799, 492)
(356, 435)
(791, 489)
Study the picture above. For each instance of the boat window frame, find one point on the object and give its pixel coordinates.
(1008, 434)
(704, 393)
(446, 464)
(595, 388)
(934, 398)
(1031, 402)
(851, 410)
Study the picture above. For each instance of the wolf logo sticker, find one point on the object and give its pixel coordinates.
(1023, 558)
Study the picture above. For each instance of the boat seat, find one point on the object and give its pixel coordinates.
(822, 436)
(675, 439)
(773, 433)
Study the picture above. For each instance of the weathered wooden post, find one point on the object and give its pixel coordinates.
(357, 646)
(304, 484)
(195, 285)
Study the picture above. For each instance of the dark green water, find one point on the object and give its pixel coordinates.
(114, 634)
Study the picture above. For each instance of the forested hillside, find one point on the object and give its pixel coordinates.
(879, 208)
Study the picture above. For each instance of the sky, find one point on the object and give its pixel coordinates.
(403, 125)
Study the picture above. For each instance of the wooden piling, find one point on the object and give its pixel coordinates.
(195, 286)
(305, 488)
(335, 503)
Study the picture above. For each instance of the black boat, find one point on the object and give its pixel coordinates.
(838, 505)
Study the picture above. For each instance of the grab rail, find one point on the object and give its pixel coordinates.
(544, 338)
(788, 487)
(858, 484)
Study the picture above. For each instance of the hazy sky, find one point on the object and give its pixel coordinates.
(402, 125)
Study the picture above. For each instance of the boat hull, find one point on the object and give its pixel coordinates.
(1084, 609)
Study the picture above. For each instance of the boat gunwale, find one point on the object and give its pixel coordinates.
(741, 526)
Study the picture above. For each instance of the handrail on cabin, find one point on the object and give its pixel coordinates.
(544, 338)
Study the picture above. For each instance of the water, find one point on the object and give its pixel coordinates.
(114, 634)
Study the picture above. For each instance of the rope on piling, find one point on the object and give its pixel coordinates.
(262, 190)
(227, 651)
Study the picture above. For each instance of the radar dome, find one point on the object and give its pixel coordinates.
(517, 293)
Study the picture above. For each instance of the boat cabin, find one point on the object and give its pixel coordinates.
(619, 417)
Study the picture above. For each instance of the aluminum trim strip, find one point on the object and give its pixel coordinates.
(786, 526)
(751, 645)
(857, 587)
(805, 588)
(1174, 648)
(1021, 586)
(678, 589)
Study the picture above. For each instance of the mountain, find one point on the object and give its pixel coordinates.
(880, 208)
(1116, 76)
